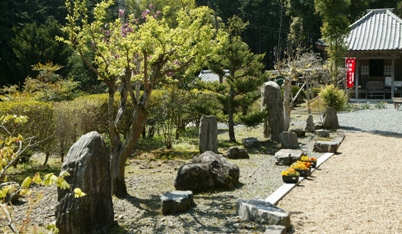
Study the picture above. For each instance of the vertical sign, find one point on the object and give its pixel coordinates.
(350, 72)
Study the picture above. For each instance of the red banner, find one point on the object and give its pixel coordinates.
(350, 72)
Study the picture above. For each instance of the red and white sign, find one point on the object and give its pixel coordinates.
(350, 72)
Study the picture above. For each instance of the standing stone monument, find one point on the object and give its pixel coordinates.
(310, 127)
(330, 119)
(273, 104)
(88, 164)
(208, 134)
(288, 140)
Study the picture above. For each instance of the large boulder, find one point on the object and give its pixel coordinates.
(88, 164)
(330, 119)
(208, 134)
(207, 171)
(272, 103)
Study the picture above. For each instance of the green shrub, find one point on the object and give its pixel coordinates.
(40, 125)
(333, 97)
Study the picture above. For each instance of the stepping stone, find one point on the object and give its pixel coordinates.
(262, 212)
(275, 229)
(326, 146)
(177, 201)
(322, 133)
(287, 156)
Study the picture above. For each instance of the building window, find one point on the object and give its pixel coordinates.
(387, 70)
(365, 70)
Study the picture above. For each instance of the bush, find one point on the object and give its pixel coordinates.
(333, 97)
(40, 125)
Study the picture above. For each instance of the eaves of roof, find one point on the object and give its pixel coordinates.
(378, 30)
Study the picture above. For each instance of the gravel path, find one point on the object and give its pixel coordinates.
(357, 190)
(382, 121)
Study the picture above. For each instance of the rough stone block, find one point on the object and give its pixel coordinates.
(326, 146)
(275, 229)
(262, 212)
(237, 153)
(208, 134)
(176, 201)
(288, 140)
(250, 142)
(322, 133)
(287, 156)
(299, 132)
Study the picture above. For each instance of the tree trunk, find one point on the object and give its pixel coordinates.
(47, 155)
(287, 102)
(232, 137)
(120, 154)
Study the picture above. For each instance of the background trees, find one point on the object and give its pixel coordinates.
(271, 25)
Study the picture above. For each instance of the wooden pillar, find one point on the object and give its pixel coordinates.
(357, 72)
(393, 77)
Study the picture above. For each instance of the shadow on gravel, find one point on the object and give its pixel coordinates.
(379, 132)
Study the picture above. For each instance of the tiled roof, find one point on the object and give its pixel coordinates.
(210, 76)
(379, 29)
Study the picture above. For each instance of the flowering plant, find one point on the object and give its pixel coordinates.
(306, 158)
(290, 172)
(299, 165)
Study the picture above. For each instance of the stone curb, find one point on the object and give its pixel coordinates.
(276, 196)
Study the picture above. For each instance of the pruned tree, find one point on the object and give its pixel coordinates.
(296, 65)
(241, 87)
(128, 50)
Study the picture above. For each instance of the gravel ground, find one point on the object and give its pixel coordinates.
(215, 212)
(357, 190)
(381, 121)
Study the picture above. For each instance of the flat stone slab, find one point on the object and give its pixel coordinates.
(287, 156)
(262, 212)
(177, 201)
(326, 146)
(275, 229)
(322, 133)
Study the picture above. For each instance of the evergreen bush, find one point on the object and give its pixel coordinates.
(332, 96)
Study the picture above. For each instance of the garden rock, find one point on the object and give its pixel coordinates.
(250, 142)
(207, 171)
(322, 133)
(177, 201)
(275, 229)
(326, 146)
(287, 156)
(262, 212)
(88, 164)
(288, 140)
(310, 127)
(208, 134)
(273, 104)
(237, 153)
(330, 119)
(299, 132)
